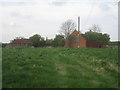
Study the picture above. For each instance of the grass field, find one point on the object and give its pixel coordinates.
(60, 68)
(0, 68)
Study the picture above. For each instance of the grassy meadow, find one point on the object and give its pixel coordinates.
(60, 68)
(0, 68)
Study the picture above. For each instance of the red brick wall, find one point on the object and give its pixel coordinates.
(92, 44)
(67, 44)
(75, 33)
(82, 42)
(75, 44)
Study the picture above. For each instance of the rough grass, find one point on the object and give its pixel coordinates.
(0, 68)
(60, 68)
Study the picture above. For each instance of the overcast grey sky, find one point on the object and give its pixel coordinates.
(28, 17)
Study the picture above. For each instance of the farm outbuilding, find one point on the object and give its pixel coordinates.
(77, 40)
(22, 42)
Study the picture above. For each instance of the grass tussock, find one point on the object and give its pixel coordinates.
(60, 68)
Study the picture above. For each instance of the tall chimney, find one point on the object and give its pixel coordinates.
(78, 24)
(79, 32)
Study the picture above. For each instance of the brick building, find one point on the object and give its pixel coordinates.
(22, 42)
(77, 40)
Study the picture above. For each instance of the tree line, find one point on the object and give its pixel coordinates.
(66, 28)
(38, 41)
(93, 33)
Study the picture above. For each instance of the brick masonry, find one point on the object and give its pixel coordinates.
(78, 41)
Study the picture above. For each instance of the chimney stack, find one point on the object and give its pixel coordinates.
(79, 32)
(78, 24)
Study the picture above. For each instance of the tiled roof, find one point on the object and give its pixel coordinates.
(21, 41)
(75, 32)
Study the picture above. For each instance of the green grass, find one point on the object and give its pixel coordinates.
(60, 68)
(0, 68)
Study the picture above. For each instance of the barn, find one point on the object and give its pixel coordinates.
(22, 42)
(77, 40)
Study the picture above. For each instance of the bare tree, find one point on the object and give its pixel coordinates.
(95, 28)
(67, 27)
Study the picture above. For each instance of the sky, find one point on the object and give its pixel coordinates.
(24, 18)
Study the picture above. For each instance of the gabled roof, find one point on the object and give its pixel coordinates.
(75, 32)
(21, 41)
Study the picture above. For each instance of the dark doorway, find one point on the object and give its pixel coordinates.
(100, 46)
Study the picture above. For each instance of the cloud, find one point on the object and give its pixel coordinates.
(20, 15)
(45, 18)
(52, 2)
(58, 3)
(10, 25)
(107, 6)
(15, 2)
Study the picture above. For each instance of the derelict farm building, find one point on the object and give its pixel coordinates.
(77, 40)
(21, 43)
